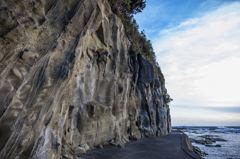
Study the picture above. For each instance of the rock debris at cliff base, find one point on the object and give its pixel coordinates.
(67, 82)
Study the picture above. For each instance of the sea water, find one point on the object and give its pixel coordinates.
(230, 149)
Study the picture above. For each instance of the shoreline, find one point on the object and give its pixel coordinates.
(214, 143)
(188, 147)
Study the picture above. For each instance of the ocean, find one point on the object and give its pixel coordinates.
(216, 142)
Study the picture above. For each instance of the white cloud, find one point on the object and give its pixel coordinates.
(211, 2)
(189, 22)
(204, 117)
(182, 25)
(200, 59)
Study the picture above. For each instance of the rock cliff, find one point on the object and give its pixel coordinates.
(68, 83)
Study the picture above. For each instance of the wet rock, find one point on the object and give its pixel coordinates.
(192, 140)
(209, 139)
(219, 139)
(195, 132)
(198, 151)
(208, 136)
(200, 142)
(213, 145)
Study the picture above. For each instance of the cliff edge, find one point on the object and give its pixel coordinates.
(68, 83)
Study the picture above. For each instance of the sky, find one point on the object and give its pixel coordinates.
(197, 45)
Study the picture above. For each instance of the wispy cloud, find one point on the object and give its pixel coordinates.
(200, 58)
(183, 25)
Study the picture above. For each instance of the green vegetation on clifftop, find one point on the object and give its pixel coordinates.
(125, 9)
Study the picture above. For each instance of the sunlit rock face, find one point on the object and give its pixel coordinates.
(67, 82)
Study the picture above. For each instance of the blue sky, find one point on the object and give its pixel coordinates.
(197, 44)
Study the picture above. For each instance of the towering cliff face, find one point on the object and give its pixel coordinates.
(67, 82)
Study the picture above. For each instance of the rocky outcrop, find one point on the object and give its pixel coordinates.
(67, 82)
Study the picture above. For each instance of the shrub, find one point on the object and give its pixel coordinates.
(125, 9)
(167, 98)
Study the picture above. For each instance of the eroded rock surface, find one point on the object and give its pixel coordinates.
(67, 82)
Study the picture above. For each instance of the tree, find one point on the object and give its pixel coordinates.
(125, 9)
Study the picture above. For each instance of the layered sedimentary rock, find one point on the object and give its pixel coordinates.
(67, 82)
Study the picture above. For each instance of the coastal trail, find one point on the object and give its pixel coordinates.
(171, 146)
